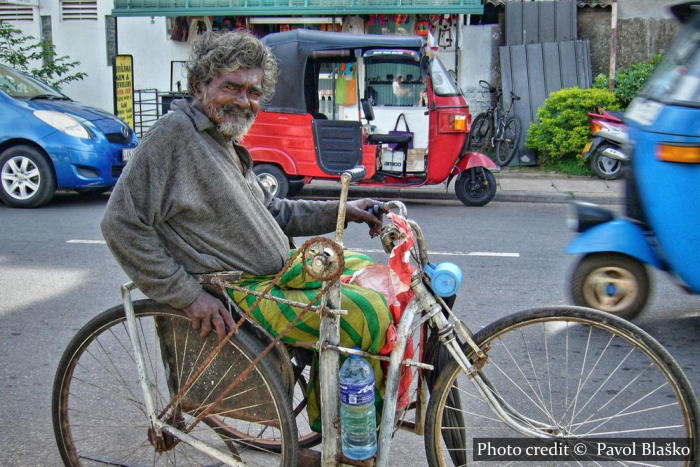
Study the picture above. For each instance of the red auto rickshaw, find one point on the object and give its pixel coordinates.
(409, 128)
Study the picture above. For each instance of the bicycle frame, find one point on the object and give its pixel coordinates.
(426, 307)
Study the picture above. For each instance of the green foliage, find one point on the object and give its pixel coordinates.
(563, 127)
(22, 52)
(628, 81)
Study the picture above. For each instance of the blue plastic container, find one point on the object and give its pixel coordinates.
(446, 278)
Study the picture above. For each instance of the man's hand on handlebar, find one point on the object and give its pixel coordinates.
(207, 311)
(368, 211)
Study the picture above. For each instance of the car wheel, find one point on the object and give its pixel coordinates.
(26, 177)
(273, 179)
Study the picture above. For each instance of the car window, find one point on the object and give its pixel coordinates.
(21, 86)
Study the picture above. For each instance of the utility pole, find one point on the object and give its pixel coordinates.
(613, 44)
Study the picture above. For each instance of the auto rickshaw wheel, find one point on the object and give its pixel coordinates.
(611, 282)
(475, 186)
(272, 178)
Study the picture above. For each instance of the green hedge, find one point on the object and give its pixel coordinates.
(628, 81)
(564, 127)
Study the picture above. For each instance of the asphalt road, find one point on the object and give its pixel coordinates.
(55, 274)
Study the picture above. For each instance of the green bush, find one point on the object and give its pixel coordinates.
(628, 81)
(563, 126)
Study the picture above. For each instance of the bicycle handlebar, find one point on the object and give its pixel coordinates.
(356, 173)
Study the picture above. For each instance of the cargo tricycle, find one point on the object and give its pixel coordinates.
(137, 385)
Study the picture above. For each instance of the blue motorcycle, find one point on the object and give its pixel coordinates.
(661, 226)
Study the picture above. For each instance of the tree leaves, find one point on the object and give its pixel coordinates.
(25, 53)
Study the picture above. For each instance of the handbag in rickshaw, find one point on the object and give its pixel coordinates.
(396, 131)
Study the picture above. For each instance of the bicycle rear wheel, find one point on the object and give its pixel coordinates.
(568, 371)
(99, 415)
(508, 141)
(480, 133)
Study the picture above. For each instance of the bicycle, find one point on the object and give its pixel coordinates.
(508, 127)
(559, 374)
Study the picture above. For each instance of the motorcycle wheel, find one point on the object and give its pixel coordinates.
(475, 186)
(614, 283)
(606, 167)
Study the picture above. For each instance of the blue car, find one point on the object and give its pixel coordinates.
(49, 142)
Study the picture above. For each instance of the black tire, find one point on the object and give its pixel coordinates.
(273, 179)
(480, 133)
(610, 282)
(606, 167)
(97, 403)
(508, 142)
(93, 193)
(569, 371)
(475, 186)
(26, 177)
(295, 187)
(307, 437)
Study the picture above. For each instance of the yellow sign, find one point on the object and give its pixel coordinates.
(124, 88)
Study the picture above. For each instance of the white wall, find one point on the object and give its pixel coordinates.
(146, 40)
(478, 60)
(85, 41)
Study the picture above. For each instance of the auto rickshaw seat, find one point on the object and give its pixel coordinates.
(401, 140)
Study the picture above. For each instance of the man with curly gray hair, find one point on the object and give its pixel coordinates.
(189, 202)
(216, 56)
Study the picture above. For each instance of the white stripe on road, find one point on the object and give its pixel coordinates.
(360, 250)
(450, 253)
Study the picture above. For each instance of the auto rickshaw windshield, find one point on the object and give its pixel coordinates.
(677, 78)
(443, 83)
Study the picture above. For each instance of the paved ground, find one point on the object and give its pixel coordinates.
(517, 184)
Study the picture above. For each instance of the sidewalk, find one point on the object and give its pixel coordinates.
(514, 184)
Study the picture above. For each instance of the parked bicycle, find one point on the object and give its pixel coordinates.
(496, 128)
(137, 385)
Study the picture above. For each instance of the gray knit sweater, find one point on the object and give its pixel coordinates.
(182, 207)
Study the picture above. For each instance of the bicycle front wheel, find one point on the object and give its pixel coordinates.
(508, 141)
(567, 372)
(480, 133)
(100, 417)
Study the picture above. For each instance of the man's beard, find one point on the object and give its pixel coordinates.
(233, 122)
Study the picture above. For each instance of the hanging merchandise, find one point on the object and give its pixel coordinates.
(199, 26)
(442, 26)
(423, 27)
(180, 29)
(378, 24)
(404, 24)
(346, 85)
(353, 25)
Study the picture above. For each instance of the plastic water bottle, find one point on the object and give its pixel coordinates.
(357, 413)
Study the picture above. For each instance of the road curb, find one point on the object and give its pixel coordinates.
(522, 196)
